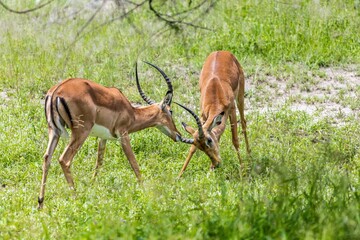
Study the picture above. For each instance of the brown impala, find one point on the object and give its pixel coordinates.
(87, 108)
(221, 84)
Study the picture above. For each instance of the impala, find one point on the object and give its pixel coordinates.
(221, 85)
(88, 108)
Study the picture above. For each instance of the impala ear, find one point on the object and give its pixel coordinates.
(217, 120)
(188, 128)
(167, 100)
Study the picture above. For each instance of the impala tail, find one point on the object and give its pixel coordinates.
(58, 115)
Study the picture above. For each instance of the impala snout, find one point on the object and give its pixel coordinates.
(212, 151)
(167, 125)
(208, 144)
(213, 167)
(173, 134)
(176, 136)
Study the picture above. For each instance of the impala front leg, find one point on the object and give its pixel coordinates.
(99, 161)
(191, 153)
(125, 144)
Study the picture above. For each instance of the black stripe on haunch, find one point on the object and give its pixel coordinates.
(67, 110)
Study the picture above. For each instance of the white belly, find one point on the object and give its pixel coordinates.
(101, 132)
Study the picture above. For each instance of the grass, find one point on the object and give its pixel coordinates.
(301, 182)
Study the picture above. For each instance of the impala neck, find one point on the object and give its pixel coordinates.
(145, 117)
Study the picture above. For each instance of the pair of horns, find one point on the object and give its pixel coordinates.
(198, 122)
(170, 90)
(142, 94)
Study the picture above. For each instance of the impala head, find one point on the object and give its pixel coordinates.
(166, 123)
(204, 138)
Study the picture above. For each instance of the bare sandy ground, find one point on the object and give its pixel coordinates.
(334, 95)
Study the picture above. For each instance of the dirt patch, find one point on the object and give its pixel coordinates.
(4, 96)
(331, 93)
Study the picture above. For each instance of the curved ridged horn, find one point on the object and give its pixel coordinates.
(167, 79)
(197, 119)
(142, 94)
(186, 140)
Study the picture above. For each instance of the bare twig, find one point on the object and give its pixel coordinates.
(79, 35)
(206, 11)
(27, 10)
(191, 9)
(175, 23)
(160, 32)
(90, 19)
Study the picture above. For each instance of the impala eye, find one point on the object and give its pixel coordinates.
(209, 142)
(171, 112)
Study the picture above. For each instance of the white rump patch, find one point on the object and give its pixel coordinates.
(101, 132)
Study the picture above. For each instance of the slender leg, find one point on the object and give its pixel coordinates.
(76, 141)
(240, 105)
(53, 141)
(101, 152)
(234, 133)
(125, 144)
(191, 153)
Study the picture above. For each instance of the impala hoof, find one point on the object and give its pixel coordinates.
(41, 202)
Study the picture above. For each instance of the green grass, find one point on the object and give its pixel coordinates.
(301, 181)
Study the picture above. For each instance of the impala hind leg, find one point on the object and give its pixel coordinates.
(71, 149)
(240, 105)
(188, 158)
(101, 152)
(234, 133)
(53, 141)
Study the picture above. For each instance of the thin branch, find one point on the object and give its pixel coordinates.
(78, 36)
(174, 23)
(90, 19)
(25, 11)
(168, 22)
(212, 4)
(133, 3)
(191, 9)
(160, 32)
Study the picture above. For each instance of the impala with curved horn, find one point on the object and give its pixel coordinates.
(221, 85)
(88, 108)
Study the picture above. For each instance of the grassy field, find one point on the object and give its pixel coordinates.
(302, 66)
